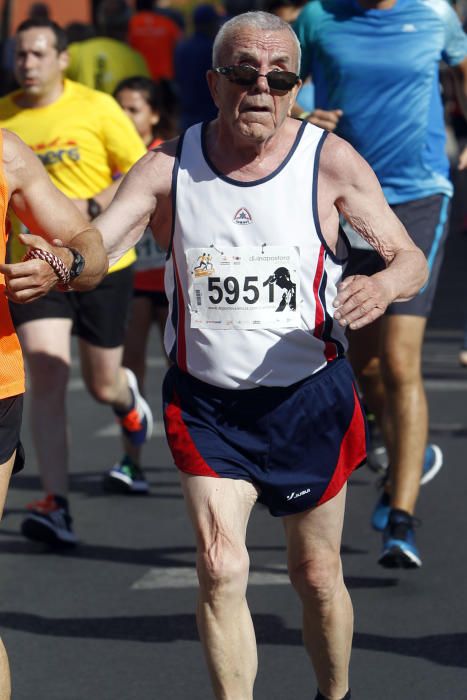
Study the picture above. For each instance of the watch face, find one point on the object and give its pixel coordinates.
(77, 265)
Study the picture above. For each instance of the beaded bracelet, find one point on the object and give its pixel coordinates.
(57, 265)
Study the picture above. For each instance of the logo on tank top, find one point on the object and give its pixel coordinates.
(242, 217)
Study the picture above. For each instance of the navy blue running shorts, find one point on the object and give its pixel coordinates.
(99, 316)
(11, 412)
(427, 221)
(298, 445)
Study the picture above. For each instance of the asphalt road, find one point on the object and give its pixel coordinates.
(114, 618)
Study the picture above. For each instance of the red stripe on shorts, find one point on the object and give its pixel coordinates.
(184, 451)
(181, 341)
(352, 453)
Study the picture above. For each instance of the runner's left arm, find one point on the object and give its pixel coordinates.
(347, 185)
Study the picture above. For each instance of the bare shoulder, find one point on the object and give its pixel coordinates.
(15, 151)
(19, 162)
(338, 157)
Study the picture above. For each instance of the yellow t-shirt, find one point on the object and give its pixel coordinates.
(83, 139)
(101, 63)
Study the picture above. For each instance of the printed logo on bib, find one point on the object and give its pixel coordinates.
(245, 287)
(242, 217)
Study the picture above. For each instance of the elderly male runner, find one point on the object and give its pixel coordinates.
(26, 187)
(260, 403)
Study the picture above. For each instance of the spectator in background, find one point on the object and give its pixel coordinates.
(288, 10)
(79, 31)
(154, 34)
(83, 138)
(103, 61)
(37, 10)
(164, 7)
(152, 114)
(193, 57)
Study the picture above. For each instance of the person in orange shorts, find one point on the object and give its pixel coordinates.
(27, 189)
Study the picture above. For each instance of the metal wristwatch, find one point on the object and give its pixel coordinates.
(77, 265)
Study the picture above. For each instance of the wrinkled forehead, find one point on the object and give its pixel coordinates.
(253, 44)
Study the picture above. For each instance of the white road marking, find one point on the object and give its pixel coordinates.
(185, 577)
(445, 384)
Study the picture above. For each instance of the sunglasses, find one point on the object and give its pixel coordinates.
(246, 76)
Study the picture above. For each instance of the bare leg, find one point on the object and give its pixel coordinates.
(5, 681)
(46, 345)
(315, 569)
(142, 316)
(363, 354)
(136, 340)
(220, 509)
(406, 404)
(103, 375)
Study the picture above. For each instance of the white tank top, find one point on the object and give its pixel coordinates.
(249, 277)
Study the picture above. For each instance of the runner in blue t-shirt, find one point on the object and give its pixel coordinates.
(379, 62)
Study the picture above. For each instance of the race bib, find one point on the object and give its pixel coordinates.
(245, 287)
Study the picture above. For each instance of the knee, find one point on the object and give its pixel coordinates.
(223, 569)
(100, 391)
(400, 369)
(318, 578)
(48, 374)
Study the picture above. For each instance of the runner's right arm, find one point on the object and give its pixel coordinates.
(50, 215)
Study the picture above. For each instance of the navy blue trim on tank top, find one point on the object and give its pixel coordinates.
(332, 255)
(174, 316)
(253, 183)
(328, 321)
(175, 170)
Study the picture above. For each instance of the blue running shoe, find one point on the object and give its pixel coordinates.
(137, 423)
(399, 548)
(432, 464)
(380, 515)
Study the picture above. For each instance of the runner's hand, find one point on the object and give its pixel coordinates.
(31, 279)
(325, 118)
(360, 300)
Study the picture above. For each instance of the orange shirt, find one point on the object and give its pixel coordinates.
(155, 36)
(11, 360)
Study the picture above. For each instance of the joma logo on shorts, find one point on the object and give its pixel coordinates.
(297, 494)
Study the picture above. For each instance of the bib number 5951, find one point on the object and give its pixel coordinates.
(228, 290)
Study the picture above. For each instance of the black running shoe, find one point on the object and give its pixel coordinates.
(50, 522)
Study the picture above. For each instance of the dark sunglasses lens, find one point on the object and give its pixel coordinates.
(281, 80)
(243, 75)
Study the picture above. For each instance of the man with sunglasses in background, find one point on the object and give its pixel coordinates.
(260, 403)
